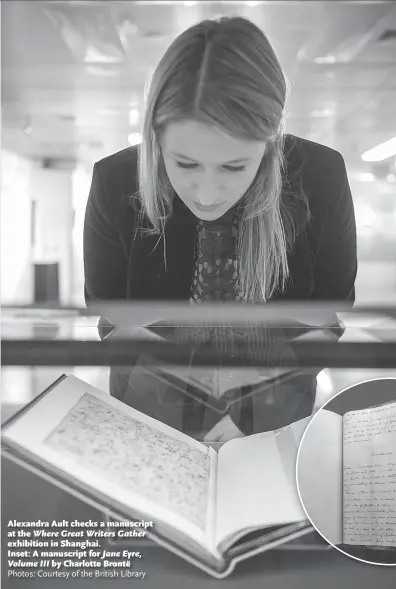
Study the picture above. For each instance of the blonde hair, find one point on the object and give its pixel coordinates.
(223, 72)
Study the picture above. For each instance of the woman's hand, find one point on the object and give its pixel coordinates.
(223, 431)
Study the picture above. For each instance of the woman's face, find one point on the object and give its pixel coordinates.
(209, 170)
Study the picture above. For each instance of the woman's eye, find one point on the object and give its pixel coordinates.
(186, 166)
(235, 168)
(192, 166)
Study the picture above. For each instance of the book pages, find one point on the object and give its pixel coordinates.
(136, 457)
(121, 454)
(319, 471)
(370, 476)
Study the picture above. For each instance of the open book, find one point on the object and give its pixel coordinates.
(347, 476)
(212, 508)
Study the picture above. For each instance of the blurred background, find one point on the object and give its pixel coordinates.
(73, 78)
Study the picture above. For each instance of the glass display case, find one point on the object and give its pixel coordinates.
(338, 348)
(213, 376)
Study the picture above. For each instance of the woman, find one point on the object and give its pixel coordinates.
(217, 203)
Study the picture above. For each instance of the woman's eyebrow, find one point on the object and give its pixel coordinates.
(185, 157)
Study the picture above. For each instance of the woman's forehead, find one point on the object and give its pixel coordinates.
(200, 142)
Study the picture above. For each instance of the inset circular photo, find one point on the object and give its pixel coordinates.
(346, 471)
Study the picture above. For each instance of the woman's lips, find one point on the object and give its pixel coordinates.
(207, 208)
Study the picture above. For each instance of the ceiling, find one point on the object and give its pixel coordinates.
(71, 71)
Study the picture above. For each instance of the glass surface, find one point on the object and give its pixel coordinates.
(210, 403)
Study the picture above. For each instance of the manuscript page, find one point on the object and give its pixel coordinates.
(369, 485)
(121, 453)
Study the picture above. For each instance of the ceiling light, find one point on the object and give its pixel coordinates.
(365, 217)
(94, 56)
(322, 113)
(101, 71)
(133, 116)
(365, 177)
(325, 59)
(380, 152)
(88, 31)
(134, 138)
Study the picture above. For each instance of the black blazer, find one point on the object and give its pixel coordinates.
(120, 265)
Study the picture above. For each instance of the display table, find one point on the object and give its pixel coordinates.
(26, 497)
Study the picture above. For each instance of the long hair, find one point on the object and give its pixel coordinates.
(224, 73)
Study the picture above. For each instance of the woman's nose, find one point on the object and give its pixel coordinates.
(206, 192)
(206, 199)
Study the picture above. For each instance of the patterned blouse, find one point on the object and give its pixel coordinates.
(216, 270)
(216, 279)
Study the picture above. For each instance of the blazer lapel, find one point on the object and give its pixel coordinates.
(153, 280)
